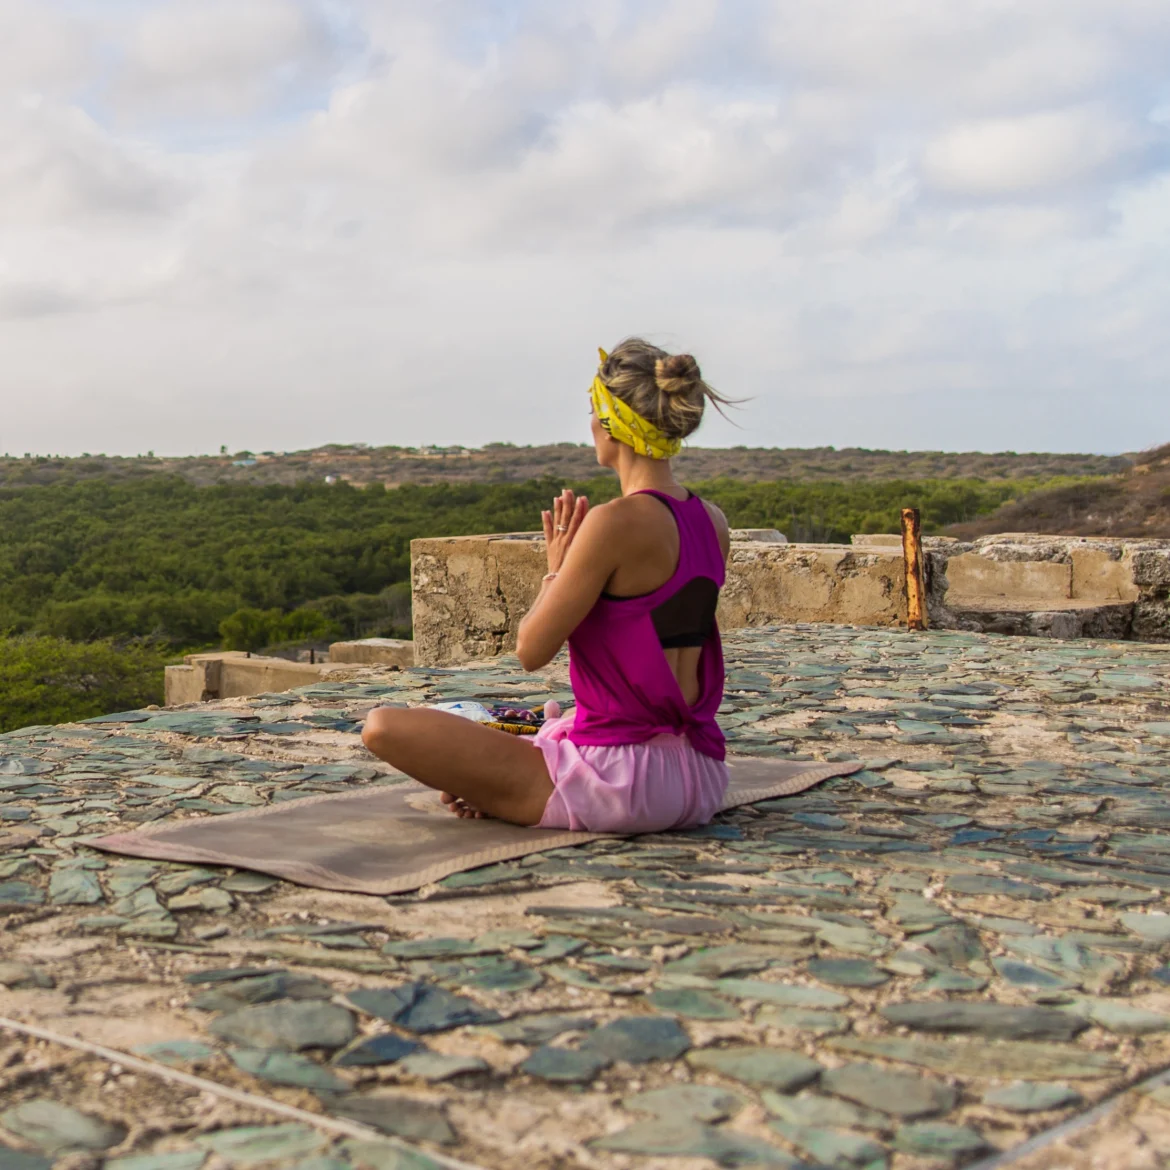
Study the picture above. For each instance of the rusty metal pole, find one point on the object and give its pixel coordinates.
(915, 569)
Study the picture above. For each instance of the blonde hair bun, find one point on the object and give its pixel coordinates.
(676, 374)
(665, 389)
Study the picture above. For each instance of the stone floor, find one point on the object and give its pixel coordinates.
(915, 967)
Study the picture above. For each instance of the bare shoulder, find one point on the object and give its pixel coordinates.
(626, 510)
(722, 528)
(608, 521)
(627, 521)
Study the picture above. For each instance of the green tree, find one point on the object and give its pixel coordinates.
(51, 680)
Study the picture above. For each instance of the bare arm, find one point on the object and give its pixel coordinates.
(722, 528)
(583, 559)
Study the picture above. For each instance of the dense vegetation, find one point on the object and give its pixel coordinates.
(360, 464)
(102, 581)
(1133, 504)
(53, 680)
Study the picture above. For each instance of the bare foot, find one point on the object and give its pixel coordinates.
(460, 807)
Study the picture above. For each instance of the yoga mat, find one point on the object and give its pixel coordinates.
(386, 840)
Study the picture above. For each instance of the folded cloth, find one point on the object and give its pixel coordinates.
(632, 788)
(514, 720)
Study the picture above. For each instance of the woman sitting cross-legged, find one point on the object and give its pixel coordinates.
(632, 586)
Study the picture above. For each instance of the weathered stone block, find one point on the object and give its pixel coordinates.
(183, 684)
(233, 674)
(1102, 574)
(374, 652)
(813, 583)
(975, 575)
(469, 593)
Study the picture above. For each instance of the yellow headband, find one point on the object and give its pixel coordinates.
(621, 422)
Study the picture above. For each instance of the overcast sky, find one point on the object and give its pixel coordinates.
(278, 223)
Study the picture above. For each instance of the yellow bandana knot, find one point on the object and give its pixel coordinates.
(621, 422)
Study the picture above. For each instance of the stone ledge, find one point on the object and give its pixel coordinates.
(470, 592)
(373, 652)
(235, 674)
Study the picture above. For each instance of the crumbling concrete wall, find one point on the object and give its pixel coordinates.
(1058, 586)
(832, 583)
(234, 674)
(470, 592)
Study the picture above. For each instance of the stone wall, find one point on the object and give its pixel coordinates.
(470, 592)
(1062, 586)
(234, 674)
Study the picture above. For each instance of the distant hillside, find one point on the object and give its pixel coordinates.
(1133, 503)
(504, 463)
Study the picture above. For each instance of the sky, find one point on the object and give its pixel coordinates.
(272, 224)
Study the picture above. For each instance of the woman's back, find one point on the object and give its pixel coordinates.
(652, 560)
(647, 659)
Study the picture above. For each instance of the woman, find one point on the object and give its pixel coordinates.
(632, 586)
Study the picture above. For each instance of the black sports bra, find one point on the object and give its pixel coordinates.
(687, 616)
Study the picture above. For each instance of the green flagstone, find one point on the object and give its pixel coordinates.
(179, 1160)
(796, 1019)
(685, 1138)
(176, 1052)
(693, 1004)
(384, 1048)
(1023, 1059)
(566, 1065)
(985, 1019)
(733, 959)
(539, 1029)
(1122, 1018)
(638, 1039)
(58, 1129)
(834, 1148)
(247, 1145)
(286, 1068)
(206, 898)
(124, 880)
(847, 972)
(886, 1091)
(1155, 927)
(1022, 1097)
(375, 1155)
(439, 1066)
(289, 1024)
(784, 994)
(772, 1068)
(183, 879)
(17, 894)
(939, 1140)
(991, 884)
(1025, 975)
(421, 1007)
(703, 1103)
(1067, 958)
(436, 948)
(811, 1109)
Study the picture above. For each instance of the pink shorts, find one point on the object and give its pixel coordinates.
(634, 788)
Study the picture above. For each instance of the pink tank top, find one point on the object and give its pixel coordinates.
(626, 692)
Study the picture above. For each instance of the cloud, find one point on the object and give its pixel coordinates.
(219, 57)
(1031, 154)
(283, 222)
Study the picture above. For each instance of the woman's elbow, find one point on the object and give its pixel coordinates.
(531, 657)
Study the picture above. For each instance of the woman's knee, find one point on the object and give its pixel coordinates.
(379, 729)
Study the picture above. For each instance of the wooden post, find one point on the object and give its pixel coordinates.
(915, 569)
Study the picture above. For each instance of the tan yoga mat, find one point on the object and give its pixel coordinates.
(386, 840)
